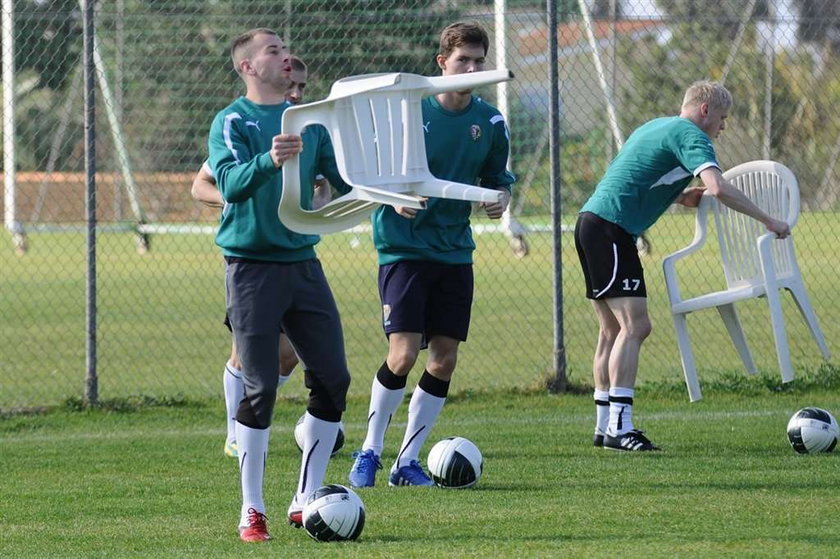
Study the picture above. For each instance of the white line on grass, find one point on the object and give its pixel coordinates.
(287, 430)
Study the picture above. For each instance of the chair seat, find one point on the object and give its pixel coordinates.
(717, 298)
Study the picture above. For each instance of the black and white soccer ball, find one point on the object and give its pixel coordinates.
(339, 438)
(455, 463)
(334, 513)
(812, 430)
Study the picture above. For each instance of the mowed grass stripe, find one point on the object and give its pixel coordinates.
(156, 433)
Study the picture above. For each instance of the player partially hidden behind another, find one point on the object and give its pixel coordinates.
(425, 262)
(204, 189)
(273, 277)
(651, 171)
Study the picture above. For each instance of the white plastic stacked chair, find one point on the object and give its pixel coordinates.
(376, 126)
(755, 264)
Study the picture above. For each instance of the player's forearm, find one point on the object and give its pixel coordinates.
(238, 183)
(738, 201)
(206, 193)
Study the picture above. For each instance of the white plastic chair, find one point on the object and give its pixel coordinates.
(376, 125)
(755, 264)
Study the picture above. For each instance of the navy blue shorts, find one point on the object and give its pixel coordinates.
(609, 258)
(424, 297)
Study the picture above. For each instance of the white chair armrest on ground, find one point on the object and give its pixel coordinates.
(376, 126)
(755, 264)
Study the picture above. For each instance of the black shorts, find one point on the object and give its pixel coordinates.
(424, 297)
(609, 258)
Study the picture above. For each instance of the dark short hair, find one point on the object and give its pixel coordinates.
(298, 65)
(462, 33)
(241, 42)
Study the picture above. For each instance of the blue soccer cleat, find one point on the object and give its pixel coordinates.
(412, 474)
(363, 472)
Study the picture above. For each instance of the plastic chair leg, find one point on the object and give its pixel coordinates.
(800, 297)
(736, 332)
(687, 358)
(777, 321)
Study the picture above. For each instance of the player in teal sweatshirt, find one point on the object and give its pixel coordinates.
(273, 278)
(425, 258)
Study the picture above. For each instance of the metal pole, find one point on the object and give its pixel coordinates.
(613, 43)
(9, 184)
(119, 84)
(501, 57)
(618, 138)
(91, 379)
(769, 60)
(558, 383)
(119, 143)
(739, 38)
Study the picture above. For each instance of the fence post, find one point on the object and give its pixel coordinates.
(91, 379)
(558, 383)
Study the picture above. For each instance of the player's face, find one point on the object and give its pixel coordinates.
(269, 61)
(463, 60)
(714, 120)
(294, 94)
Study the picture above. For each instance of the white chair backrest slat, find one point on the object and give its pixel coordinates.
(773, 188)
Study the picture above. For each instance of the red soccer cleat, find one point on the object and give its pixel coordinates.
(257, 528)
(295, 514)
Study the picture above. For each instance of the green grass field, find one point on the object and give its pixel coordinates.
(144, 474)
(151, 481)
(160, 333)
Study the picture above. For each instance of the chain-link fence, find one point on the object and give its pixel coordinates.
(162, 72)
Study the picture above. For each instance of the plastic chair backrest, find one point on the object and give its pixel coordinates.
(772, 187)
(376, 126)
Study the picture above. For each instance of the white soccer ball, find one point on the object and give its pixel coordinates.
(455, 463)
(812, 430)
(339, 439)
(334, 513)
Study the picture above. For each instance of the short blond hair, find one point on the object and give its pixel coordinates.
(239, 47)
(712, 93)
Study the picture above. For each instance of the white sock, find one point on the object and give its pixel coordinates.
(383, 405)
(621, 411)
(318, 441)
(234, 392)
(602, 411)
(281, 380)
(423, 411)
(253, 449)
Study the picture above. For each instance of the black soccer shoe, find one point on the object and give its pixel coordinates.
(634, 440)
(598, 440)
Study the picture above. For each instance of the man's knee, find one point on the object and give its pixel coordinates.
(401, 359)
(442, 366)
(640, 328)
(256, 410)
(327, 395)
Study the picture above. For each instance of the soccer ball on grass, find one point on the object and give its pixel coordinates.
(455, 463)
(334, 513)
(812, 430)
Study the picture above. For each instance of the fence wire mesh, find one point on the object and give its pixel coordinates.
(163, 72)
